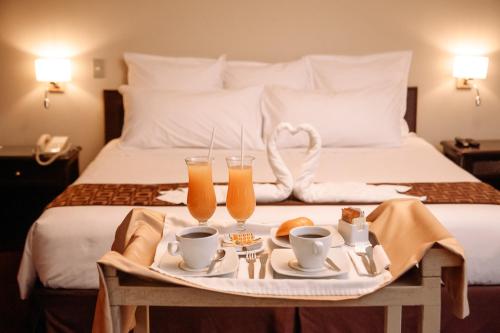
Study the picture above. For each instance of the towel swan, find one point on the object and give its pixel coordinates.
(304, 188)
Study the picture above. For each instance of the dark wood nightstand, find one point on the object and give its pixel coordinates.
(482, 162)
(27, 187)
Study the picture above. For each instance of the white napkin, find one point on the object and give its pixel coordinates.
(355, 284)
(380, 259)
(179, 195)
(243, 269)
(242, 272)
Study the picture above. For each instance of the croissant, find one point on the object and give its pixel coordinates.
(285, 227)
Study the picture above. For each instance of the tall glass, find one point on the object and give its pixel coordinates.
(201, 200)
(240, 201)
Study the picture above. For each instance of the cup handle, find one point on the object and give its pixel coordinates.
(173, 248)
(318, 247)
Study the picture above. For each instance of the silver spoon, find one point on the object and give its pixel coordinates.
(221, 253)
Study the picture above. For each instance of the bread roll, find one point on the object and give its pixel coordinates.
(285, 227)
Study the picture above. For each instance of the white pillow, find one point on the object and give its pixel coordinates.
(169, 73)
(367, 117)
(343, 73)
(164, 119)
(242, 74)
(339, 73)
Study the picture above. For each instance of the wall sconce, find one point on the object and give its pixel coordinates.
(54, 71)
(467, 69)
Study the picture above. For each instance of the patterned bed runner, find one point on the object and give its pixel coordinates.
(145, 195)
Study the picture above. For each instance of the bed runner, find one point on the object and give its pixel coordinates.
(145, 195)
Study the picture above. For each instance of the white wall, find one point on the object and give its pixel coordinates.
(266, 30)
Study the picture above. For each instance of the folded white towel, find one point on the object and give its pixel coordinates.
(307, 191)
(352, 192)
(264, 193)
(284, 178)
(310, 164)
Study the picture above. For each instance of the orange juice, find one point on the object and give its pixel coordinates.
(201, 195)
(240, 199)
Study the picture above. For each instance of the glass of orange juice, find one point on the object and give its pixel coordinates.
(201, 200)
(240, 201)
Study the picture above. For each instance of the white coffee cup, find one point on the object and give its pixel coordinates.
(196, 246)
(310, 245)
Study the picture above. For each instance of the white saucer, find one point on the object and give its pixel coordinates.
(280, 259)
(293, 263)
(337, 239)
(185, 267)
(172, 265)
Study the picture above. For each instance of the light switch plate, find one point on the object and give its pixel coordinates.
(98, 68)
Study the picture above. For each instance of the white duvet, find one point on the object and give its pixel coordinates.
(65, 242)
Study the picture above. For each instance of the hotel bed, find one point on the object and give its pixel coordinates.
(64, 243)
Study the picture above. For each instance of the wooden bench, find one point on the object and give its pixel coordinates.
(420, 286)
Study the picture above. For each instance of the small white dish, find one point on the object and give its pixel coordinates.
(282, 258)
(337, 239)
(242, 251)
(172, 265)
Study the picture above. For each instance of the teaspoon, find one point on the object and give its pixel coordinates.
(221, 253)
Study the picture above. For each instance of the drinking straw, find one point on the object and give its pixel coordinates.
(241, 161)
(211, 145)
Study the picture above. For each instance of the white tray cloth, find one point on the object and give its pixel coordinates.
(353, 285)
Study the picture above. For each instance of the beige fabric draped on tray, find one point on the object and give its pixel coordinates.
(406, 229)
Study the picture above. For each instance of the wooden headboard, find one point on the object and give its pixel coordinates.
(113, 112)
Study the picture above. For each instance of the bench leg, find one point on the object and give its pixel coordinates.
(431, 319)
(142, 319)
(116, 318)
(393, 319)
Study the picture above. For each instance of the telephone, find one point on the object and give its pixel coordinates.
(466, 143)
(51, 147)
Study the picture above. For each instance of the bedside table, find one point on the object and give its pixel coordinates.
(482, 162)
(27, 187)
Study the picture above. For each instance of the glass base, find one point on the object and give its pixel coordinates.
(240, 226)
(203, 223)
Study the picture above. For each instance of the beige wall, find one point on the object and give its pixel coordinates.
(266, 30)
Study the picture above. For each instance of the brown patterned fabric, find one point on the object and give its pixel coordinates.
(463, 193)
(113, 195)
(145, 195)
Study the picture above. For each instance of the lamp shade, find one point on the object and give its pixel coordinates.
(53, 70)
(470, 67)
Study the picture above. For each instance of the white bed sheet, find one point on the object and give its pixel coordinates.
(65, 242)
